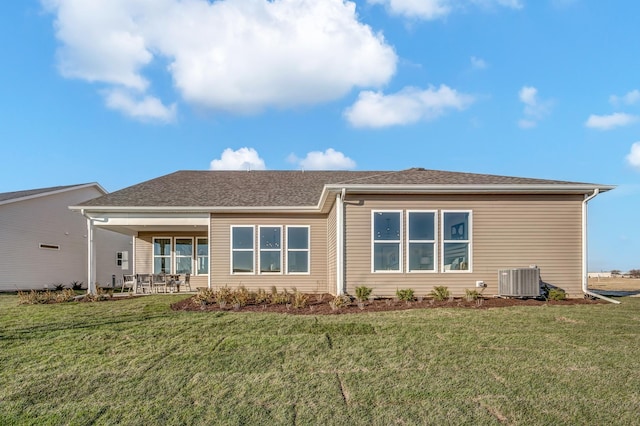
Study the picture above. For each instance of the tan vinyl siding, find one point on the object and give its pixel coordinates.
(332, 250)
(508, 231)
(144, 254)
(314, 282)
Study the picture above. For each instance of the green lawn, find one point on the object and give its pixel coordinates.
(136, 362)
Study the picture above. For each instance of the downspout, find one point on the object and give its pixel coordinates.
(91, 273)
(340, 242)
(585, 271)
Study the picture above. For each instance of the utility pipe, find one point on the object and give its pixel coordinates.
(340, 242)
(585, 271)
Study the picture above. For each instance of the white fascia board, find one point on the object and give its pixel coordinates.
(59, 191)
(195, 210)
(472, 189)
(141, 219)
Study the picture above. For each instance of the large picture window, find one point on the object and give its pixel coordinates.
(421, 245)
(387, 234)
(456, 241)
(270, 249)
(242, 249)
(297, 249)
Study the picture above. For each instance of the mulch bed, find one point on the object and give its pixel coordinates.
(319, 305)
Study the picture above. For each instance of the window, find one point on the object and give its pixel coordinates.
(162, 255)
(387, 231)
(202, 256)
(184, 255)
(270, 249)
(242, 249)
(421, 243)
(297, 249)
(456, 241)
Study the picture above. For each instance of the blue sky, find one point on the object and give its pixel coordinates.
(122, 91)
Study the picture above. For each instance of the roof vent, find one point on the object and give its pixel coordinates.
(520, 282)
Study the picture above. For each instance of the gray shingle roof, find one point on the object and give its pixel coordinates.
(6, 196)
(279, 188)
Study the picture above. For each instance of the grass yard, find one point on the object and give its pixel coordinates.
(137, 362)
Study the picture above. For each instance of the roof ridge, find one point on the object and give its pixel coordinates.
(377, 174)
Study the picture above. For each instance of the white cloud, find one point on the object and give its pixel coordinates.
(633, 158)
(631, 98)
(410, 105)
(327, 160)
(242, 159)
(608, 122)
(146, 108)
(434, 9)
(478, 63)
(535, 109)
(231, 55)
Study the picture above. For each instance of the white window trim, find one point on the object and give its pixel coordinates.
(280, 250)
(153, 254)
(252, 250)
(307, 250)
(434, 242)
(174, 264)
(469, 241)
(399, 242)
(196, 257)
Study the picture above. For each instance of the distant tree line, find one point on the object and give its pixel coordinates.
(634, 273)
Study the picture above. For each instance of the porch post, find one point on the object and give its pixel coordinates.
(91, 261)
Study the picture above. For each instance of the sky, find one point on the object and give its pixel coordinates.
(123, 91)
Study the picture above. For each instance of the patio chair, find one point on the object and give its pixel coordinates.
(144, 283)
(159, 281)
(172, 281)
(186, 282)
(128, 281)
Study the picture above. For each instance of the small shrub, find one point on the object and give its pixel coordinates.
(300, 300)
(261, 297)
(240, 296)
(205, 296)
(339, 302)
(66, 295)
(58, 286)
(472, 295)
(405, 295)
(29, 297)
(440, 293)
(280, 298)
(363, 293)
(557, 294)
(76, 285)
(224, 295)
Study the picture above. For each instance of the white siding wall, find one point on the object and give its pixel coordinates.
(24, 225)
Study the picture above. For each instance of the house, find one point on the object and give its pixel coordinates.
(43, 244)
(331, 231)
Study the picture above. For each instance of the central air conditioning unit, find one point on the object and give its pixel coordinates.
(520, 282)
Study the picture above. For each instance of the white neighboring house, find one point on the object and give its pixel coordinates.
(43, 243)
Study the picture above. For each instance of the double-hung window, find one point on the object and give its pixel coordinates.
(202, 256)
(297, 249)
(456, 241)
(242, 249)
(270, 249)
(421, 242)
(184, 255)
(387, 234)
(162, 255)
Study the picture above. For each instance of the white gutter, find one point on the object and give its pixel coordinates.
(340, 242)
(91, 269)
(585, 270)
